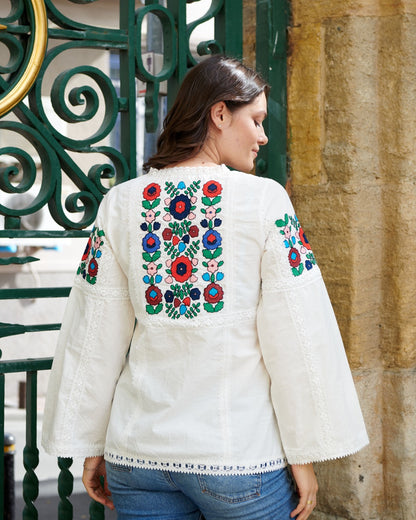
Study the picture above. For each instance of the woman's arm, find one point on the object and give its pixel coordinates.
(94, 469)
(307, 485)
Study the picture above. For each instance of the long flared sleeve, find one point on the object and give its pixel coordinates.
(312, 389)
(92, 346)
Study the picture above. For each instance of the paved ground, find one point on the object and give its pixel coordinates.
(47, 473)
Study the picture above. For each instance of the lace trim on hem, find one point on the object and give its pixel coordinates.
(56, 451)
(320, 457)
(201, 321)
(196, 468)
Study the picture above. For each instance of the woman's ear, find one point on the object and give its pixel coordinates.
(219, 114)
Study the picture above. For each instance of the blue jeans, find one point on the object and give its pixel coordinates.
(163, 495)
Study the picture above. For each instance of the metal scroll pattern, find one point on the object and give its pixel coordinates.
(46, 159)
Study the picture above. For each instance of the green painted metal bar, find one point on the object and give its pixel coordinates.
(15, 329)
(30, 451)
(229, 28)
(12, 366)
(128, 85)
(271, 54)
(32, 293)
(2, 399)
(18, 260)
(23, 233)
(65, 488)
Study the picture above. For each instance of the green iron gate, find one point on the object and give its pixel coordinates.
(44, 48)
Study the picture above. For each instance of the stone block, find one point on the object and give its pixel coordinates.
(305, 11)
(399, 425)
(352, 488)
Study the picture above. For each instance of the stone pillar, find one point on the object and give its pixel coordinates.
(352, 148)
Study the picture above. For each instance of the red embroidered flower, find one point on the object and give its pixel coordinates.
(167, 234)
(181, 269)
(153, 295)
(213, 293)
(212, 189)
(294, 257)
(303, 239)
(93, 267)
(151, 192)
(193, 231)
(87, 249)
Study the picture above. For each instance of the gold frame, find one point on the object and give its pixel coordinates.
(19, 91)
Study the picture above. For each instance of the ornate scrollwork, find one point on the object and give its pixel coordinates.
(37, 47)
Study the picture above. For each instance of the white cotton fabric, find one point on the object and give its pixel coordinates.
(262, 382)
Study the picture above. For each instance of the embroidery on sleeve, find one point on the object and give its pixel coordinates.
(300, 255)
(181, 245)
(151, 248)
(212, 240)
(88, 267)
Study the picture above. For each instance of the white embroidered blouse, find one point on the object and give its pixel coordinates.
(199, 336)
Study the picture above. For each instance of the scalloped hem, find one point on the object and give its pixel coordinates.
(316, 458)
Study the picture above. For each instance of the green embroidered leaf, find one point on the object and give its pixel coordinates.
(205, 264)
(207, 253)
(280, 223)
(208, 307)
(101, 233)
(158, 308)
(219, 306)
(155, 204)
(144, 266)
(217, 252)
(156, 256)
(159, 266)
(206, 201)
(203, 210)
(150, 309)
(91, 279)
(216, 200)
(143, 214)
(147, 257)
(146, 204)
(152, 280)
(213, 278)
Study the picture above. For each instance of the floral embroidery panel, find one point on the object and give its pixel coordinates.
(300, 255)
(88, 268)
(182, 232)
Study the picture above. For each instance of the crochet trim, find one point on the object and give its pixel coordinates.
(194, 467)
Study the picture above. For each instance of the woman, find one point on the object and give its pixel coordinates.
(199, 355)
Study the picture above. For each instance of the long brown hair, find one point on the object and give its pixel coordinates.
(185, 129)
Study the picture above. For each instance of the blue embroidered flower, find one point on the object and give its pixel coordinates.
(169, 296)
(211, 239)
(195, 294)
(180, 207)
(151, 243)
(308, 265)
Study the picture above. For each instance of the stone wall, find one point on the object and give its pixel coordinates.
(352, 131)
(352, 134)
